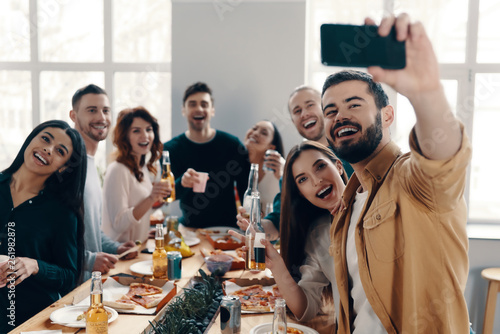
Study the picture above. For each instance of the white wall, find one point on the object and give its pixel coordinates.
(251, 53)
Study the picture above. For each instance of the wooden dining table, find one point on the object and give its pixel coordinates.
(136, 323)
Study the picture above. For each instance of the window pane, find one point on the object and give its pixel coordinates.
(71, 31)
(141, 31)
(484, 202)
(445, 22)
(348, 12)
(15, 115)
(151, 90)
(14, 30)
(405, 115)
(488, 43)
(57, 89)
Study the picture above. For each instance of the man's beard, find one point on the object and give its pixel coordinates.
(364, 147)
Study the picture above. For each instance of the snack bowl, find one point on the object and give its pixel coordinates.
(218, 264)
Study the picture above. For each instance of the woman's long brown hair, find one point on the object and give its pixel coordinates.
(120, 140)
(297, 213)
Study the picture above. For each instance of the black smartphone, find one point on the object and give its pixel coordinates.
(360, 46)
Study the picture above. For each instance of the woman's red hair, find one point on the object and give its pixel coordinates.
(120, 140)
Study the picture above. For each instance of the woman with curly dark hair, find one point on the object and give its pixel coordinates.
(128, 191)
(41, 222)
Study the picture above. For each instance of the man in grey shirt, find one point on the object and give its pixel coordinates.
(92, 116)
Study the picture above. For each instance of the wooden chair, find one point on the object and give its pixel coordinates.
(492, 275)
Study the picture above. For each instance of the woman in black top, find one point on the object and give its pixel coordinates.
(41, 221)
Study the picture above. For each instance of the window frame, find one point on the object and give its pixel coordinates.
(35, 66)
(464, 73)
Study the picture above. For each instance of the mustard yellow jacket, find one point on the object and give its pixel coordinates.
(411, 242)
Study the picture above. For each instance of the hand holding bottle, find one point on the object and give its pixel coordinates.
(160, 190)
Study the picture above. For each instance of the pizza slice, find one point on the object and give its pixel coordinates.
(126, 300)
(146, 301)
(145, 295)
(250, 290)
(120, 304)
(143, 289)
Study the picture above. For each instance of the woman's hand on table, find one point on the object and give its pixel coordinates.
(19, 269)
(125, 247)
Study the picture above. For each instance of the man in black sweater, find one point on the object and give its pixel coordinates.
(204, 149)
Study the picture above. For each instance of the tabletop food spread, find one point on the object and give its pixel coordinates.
(141, 304)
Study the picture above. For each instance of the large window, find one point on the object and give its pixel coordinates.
(50, 48)
(467, 42)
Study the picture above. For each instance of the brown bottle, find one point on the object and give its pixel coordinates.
(160, 261)
(168, 176)
(97, 316)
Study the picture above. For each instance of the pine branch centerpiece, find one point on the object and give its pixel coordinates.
(193, 310)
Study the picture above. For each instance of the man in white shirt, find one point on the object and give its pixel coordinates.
(92, 116)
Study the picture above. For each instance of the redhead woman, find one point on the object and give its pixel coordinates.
(128, 193)
(313, 183)
(263, 136)
(41, 222)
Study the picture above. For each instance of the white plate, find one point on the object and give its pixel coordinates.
(143, 267)
(217, 230)
(66, 316)
(191, 241)
(267, 327)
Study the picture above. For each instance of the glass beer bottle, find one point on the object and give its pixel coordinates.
(160, 260)
(168, 176)
(173, 225)
(97, 317)
(279, 318)
(256, 251)
(253, 181)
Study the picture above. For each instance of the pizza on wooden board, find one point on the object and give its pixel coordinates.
(254, 298)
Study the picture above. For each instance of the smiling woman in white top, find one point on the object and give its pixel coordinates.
(129, 193)
(313, 183)
(259, 138)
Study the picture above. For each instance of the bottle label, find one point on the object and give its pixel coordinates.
(260, 255)
(258, 238)
(97, 327)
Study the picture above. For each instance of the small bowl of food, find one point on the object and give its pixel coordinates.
(218, 264)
